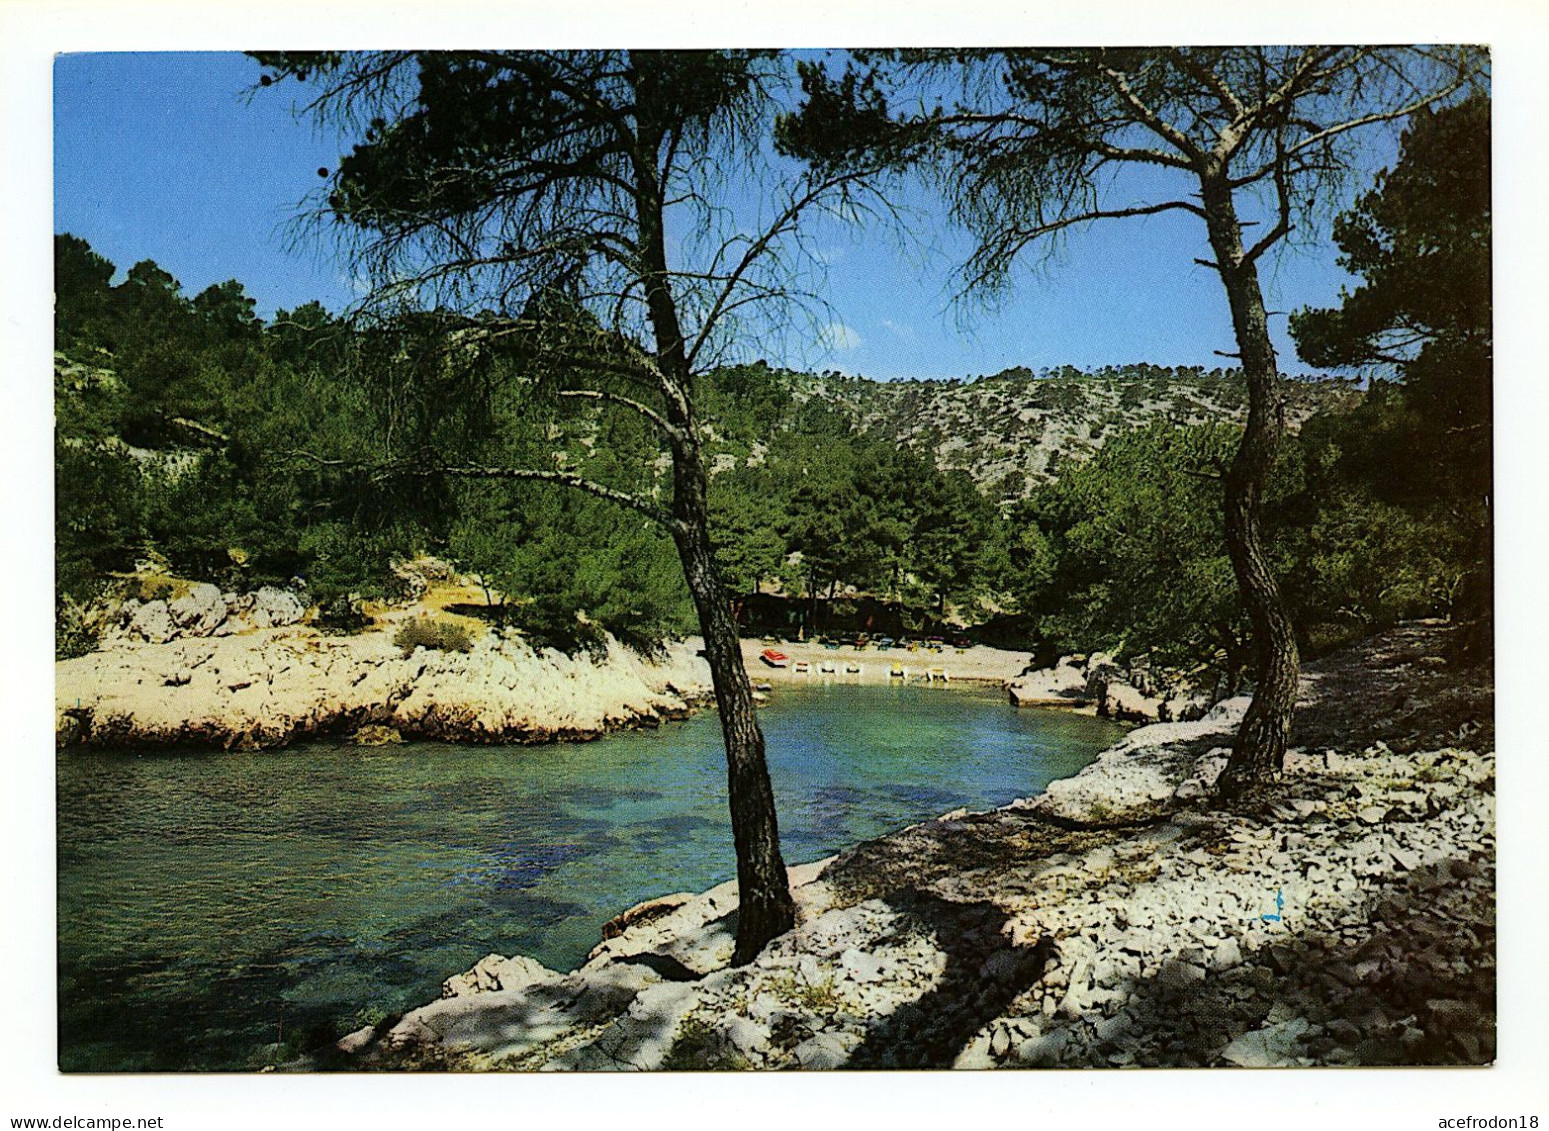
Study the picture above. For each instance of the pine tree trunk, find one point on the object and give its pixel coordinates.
(1258, 752)
(765, 907)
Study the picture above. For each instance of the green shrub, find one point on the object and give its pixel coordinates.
(74, 632)
(368, 1017)
(817, 997)
(697, 1048)
(441, 635)
(340, 615)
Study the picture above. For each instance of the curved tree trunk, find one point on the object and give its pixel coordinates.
(1258, 752)
(765, 906)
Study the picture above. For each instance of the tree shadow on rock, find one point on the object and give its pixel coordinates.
(1398, 688)
(952, 857)
(982, 976)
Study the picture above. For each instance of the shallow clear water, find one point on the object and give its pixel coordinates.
(214, 904)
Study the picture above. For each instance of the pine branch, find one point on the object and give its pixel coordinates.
(667, 428)
(385, 472)
(1151, 119)
(646, 506)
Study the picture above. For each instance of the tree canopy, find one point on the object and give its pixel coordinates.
(1027, 143)
(1420, 242)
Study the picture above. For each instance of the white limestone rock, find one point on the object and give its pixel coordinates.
(1137, 779)
(269, 686)
(1043, 1050)
(823, 1052)
(152, 622)
(859, 966)
(1063, 685)
(742, 1037)
(493, 973)
(275, 608)
(200, 611)
(1127, 703)
(1272, 1046)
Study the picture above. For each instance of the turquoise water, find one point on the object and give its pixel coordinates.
(212, 906)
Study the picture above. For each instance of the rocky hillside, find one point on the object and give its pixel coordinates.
(1009, 431)
(1014, 429)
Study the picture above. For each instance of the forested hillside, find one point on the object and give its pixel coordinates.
(196, 442)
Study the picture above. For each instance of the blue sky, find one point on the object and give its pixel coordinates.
(171, 157)
(164, 157)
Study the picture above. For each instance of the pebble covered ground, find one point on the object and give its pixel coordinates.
(1121, 920)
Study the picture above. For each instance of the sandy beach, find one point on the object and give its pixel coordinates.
(977, 664)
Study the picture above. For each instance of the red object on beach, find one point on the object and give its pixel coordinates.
(774, 659)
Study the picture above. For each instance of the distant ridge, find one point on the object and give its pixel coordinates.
(1014, 429)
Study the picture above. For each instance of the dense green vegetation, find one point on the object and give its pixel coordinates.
(1417, 454)
(193, 434)
(195, 437)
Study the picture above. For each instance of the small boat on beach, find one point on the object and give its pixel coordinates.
(803, 667)
(773, 658)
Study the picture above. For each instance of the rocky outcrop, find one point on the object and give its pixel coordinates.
(1116, 921)
(202, 610)
(270, 686)
(1127, 694)
(1063, 685)
(199, 611)
(273, 608)
(1154, 770)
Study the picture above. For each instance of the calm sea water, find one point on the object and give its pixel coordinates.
(212, 906)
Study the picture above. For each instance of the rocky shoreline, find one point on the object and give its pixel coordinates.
(206, 669)
(267, 687)
(1094, 684)
(1121, 919)
(1098, 682)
